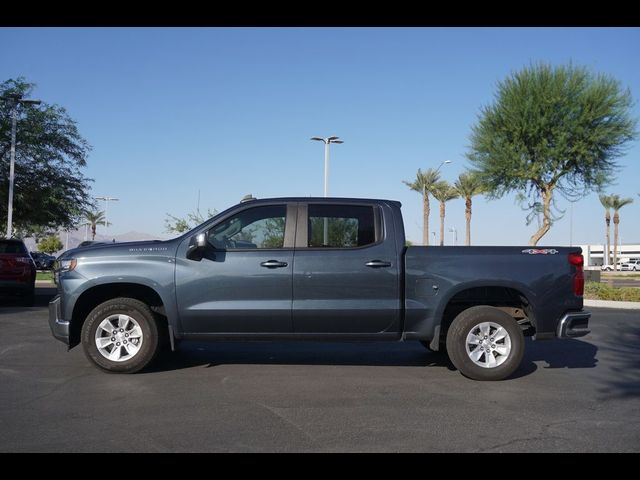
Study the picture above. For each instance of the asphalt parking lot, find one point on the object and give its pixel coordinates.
(572, 395)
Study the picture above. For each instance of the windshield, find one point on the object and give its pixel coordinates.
(12, 246)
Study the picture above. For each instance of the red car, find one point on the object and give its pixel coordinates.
(17, 270)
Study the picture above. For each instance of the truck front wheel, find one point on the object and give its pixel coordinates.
(485, 343)
(120, 335)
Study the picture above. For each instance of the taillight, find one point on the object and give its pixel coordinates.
(577, 260)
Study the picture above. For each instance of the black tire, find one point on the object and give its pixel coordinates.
(135, 309)
(463, 324)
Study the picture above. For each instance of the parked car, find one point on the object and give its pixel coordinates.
(608, 268)
(43, 261)
(633, 265)
(270, 269)
(17, 270)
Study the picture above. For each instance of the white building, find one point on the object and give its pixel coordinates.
(594, 254)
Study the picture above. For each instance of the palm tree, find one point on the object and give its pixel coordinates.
(605, 200)
(443, 192)
(94, 219)
(423, 184)
(468, 185)
(617, 203)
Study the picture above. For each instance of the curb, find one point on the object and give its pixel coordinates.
(612, 304)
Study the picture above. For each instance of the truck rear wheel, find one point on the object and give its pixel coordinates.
(485, 343)
(121, 335)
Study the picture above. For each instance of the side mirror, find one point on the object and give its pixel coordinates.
(197, 246)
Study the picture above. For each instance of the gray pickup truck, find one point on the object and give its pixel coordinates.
(318, 269)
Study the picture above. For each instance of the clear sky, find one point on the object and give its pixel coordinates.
(229, 111)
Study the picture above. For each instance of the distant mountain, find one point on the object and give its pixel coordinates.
(75, 237)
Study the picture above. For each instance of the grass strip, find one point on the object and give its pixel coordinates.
(602, 291)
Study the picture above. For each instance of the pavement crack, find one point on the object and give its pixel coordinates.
(275, 412)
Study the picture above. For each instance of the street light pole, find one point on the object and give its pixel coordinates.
(454, 236)
(106, 209)
(443, 163)
(571, 224)
(14, 122)
(326, 169)
(326, 141)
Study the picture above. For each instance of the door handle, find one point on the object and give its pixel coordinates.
(273, 264)
(377, 264)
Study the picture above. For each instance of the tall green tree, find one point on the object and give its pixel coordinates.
(606, 201)
(50, 189)
(443, 191)
(424, 184)
(93, 219)
(551, 129)
(467, 186)
(617, 203)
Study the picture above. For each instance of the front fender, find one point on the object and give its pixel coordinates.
(154, 272)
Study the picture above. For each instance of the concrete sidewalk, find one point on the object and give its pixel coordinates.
(612, 304)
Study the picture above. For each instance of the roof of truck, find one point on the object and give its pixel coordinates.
(321, 199)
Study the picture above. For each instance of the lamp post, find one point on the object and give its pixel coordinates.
(326, 142)
(570, 223)
(454, 236)
(106, 208)
(443, 163)
(18, 100)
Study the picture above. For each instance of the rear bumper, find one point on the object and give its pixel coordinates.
(573, 325)
(19, 286)
(59, 327)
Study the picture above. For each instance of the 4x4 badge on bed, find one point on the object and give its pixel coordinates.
(543, 251)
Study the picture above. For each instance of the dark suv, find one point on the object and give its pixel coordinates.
(17, 270)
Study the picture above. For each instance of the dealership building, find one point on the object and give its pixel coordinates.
(594, 254)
